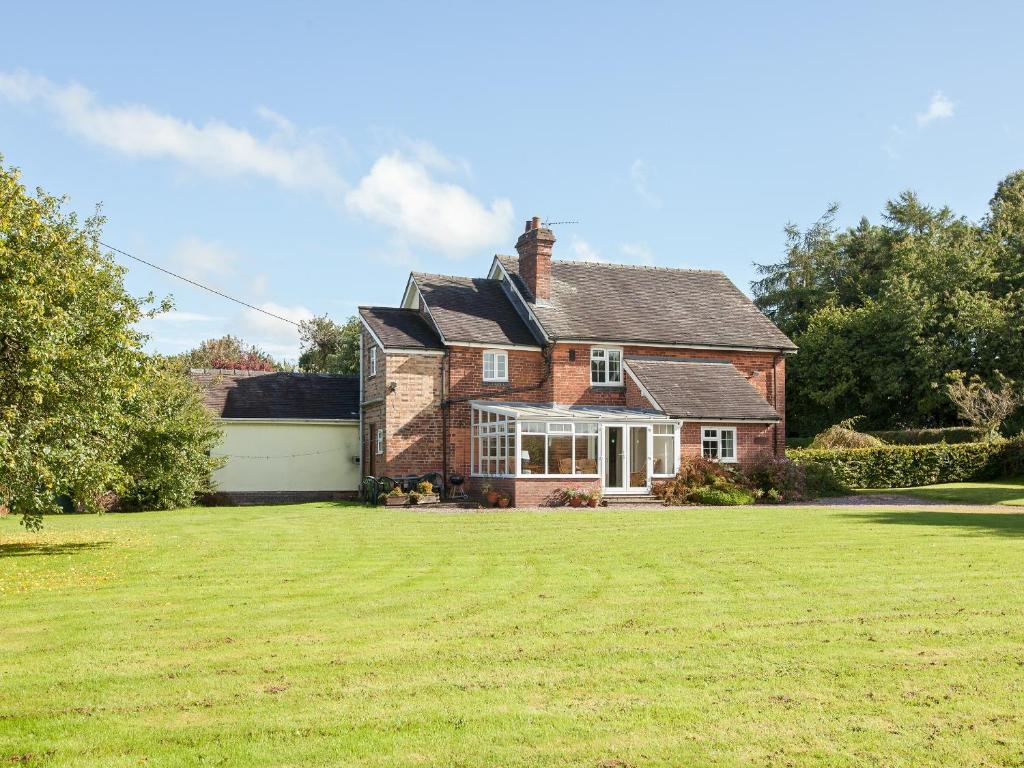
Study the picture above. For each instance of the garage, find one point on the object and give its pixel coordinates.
(288, 437)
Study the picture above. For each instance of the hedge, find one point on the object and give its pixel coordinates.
(905, 466)
(930, 436)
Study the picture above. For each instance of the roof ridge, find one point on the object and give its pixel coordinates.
(453, 277)
(649, 267)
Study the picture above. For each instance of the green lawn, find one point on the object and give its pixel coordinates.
(327, 635)
(1010, 492)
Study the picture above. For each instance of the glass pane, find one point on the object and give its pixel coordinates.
(614, 365)
(531, 455)
(664, 429)
(728, 444)
(559, 427)
(710, 449)
(501, 366)
(638, 457)
(559, 455)
(597, 371)
(664, 454)
(532, 426)
(586, 455)
(614, 456)
(586, 429)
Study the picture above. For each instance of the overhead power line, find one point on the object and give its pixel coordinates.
(199, 285)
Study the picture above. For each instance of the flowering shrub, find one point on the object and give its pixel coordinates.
(775, 479)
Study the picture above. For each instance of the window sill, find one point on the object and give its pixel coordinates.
(500, 382)
(609, 387)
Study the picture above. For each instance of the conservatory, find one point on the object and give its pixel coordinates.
(624, 448)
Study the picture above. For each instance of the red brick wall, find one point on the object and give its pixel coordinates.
(752, 440)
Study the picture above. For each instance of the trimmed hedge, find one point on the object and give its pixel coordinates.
(905, 466)
(930, 436)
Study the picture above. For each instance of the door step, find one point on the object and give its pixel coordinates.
(632, 500)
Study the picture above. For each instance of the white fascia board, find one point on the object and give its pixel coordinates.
(401, 351)
(643, 390)
(512, 286)
(481, 345)
(729, 421)
(411, 292)
(722, 348)
(369, 330)
(323, 422)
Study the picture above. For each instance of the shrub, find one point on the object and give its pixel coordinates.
(905, 466)
(928, 436)
(843, 435)
(820, 480)
(722, 496)
(697, 475)
(425, 488)
(775, 479)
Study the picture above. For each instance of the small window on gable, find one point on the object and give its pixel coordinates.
(373, 361)
(495, 365)
(605, 367)
(380, 442)
(719, 443)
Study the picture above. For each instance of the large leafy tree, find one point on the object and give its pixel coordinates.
(328, 347)
(882, 312)
(75, 386)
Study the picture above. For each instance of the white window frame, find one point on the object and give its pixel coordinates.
(380, 441)
(676, 447)
(499, 365)
(549, 429)
(373, 361)
(713, 434)
(603, 355)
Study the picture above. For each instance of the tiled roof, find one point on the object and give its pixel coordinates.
(613, 302)
(400, 328)
(700, 389)
(474, 310)
(278, 395)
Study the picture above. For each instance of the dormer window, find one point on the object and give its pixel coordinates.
(373, 361)
(605, 367)
(495, 365)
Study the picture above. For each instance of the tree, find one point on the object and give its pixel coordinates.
(328, 347)
(82, 407)
(167, 458)
(228, 352)
(881, 311)
(69, 354)
(981, 405)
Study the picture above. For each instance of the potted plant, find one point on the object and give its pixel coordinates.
(426, 493)
(414, 497)
(503, 500)
(490, 493)
(594, 498)
(396, 498)
(576, 496)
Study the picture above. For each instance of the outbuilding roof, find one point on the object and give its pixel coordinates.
(278, 395)
(692, 388)
(657, 305)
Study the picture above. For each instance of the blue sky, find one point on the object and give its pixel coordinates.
(306, 158)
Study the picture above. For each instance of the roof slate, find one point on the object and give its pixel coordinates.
(700, 389)
(657, 305)
(474, 310)
(278, 395)
(400, 328)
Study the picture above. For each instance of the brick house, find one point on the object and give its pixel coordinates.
(549, 373)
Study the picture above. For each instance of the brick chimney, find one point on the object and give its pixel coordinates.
(534, 248)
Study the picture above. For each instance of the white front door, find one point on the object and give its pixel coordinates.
(626, 459)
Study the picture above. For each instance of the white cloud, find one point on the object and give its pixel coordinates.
(174, 316)
(638, 252)
(584, 251)
(639, 176)
(203, 260)
(400, 193)
(939, 108)
(277, 337)
(214, 148)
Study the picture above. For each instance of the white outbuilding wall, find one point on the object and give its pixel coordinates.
(276, 455)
